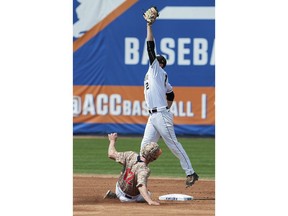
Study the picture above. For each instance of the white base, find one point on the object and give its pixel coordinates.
(176, 197)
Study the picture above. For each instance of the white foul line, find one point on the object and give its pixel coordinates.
(187, 13)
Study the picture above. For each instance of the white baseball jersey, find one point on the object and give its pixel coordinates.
(156, 86)
(160, 123)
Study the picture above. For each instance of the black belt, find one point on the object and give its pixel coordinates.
(129, 197)
(154, 110)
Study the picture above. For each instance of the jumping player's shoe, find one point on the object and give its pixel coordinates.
(191, 179)
(110, 195)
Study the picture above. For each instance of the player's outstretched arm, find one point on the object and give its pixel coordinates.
(150, 16)
(112, 153)
(150, 44)
(149, 36)
(144, 192)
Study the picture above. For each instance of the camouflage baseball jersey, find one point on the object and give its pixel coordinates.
(134, 173)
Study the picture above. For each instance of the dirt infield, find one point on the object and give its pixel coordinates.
(88, 192)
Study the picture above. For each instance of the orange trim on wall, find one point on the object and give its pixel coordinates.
(125, 104)
(101, 25)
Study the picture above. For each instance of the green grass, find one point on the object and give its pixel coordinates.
(90, 156)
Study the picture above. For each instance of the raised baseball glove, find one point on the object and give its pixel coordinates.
(151, 14)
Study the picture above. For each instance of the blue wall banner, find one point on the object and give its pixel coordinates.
(110, 61)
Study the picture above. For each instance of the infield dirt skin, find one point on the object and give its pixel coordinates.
(88, 192)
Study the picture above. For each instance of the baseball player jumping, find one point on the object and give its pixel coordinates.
(132, 183)
(159, 97)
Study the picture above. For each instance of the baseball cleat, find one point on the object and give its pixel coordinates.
(191, 179)
(110, 195)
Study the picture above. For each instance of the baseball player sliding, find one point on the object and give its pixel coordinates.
(159, 97)
(132, 183)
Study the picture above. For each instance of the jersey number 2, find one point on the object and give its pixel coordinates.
(147, 85)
